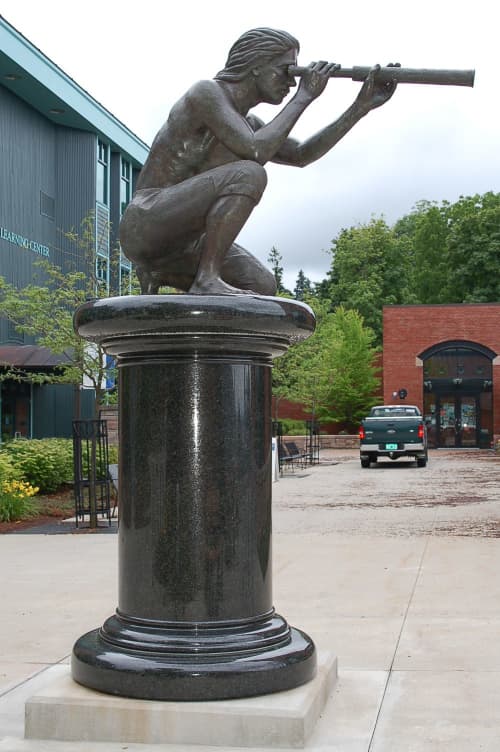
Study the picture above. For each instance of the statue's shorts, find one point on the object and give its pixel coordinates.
(162, 228)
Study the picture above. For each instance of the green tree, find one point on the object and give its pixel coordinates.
(296, 374)
(473, 249)
(370, 268)
(303, 287)
(349, 371)
(44, 311)
(275, 260)
(425, 230)
(332, 373)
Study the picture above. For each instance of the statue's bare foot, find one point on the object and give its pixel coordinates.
(216, 286)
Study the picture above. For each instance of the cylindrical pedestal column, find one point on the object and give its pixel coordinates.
(195, 618)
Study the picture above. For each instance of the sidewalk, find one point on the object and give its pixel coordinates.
(413, 618)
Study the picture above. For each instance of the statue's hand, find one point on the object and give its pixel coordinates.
(375, 93)
(315, 79)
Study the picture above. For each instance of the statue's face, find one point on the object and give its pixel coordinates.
(272, 79)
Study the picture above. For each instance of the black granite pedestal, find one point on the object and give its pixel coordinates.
(195, 617)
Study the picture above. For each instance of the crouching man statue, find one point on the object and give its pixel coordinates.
(204, 173)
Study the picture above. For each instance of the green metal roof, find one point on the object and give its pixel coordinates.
(31, 76)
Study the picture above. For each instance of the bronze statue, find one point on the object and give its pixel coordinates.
(204, 174)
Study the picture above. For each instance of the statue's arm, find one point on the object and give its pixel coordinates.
(212, 108)
(302, 153)
(372, 94)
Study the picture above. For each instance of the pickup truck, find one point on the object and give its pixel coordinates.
(393, 431)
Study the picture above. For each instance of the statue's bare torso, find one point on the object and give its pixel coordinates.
(185, 146)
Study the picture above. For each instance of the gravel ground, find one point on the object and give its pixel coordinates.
(457, 494)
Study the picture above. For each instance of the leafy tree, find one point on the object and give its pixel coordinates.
(425, 230)
(473, 249)
(350, 380)
(295, 374)
(455, 250)
(332, 373)
(370, 268)
(44, 311)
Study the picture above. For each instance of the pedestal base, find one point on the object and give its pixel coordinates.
(195, 617)
(216, 662)
(67, 711)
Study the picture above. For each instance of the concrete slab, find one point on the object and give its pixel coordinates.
(66, 711)
(459, 577)
(14, 673)
(432, 711)
(355, 577)
(66, 586)
(350, 717)
(449, 644)
(360, 644)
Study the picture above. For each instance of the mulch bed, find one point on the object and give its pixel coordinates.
(10, 527)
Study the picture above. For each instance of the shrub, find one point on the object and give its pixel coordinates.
(7, 469)
(45, 463)
(15, 500)
(293, 427)
(113, 454)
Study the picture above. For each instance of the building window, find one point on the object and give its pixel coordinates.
(102, 271)
(47, 206)
(102, 188)
(125, 185)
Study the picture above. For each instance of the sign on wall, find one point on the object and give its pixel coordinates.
(22, 242)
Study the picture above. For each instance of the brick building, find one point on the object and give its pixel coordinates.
(447, 357)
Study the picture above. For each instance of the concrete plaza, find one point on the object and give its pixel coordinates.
(393, 569)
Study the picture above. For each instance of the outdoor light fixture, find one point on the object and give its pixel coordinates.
(12, 77)
(56, 111)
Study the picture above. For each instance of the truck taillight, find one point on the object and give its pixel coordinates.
(362, 434)
(421, 431)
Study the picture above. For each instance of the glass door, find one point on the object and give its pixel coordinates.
(447, 420)
(458, 420)
(467, 426)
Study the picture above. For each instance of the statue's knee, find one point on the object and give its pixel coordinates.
(256, 175)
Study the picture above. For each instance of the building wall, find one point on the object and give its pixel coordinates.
(75, 169)
(410, 330)
(47, 185)
(27, 156)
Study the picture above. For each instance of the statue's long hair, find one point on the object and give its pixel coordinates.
(253, 48)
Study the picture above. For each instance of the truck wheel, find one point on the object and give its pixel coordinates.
(365, 463)
(421, 461)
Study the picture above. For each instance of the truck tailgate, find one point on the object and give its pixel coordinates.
(401, 430)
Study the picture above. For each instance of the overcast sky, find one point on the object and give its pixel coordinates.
(428, 142)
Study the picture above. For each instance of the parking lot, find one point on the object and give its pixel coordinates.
(457, 494)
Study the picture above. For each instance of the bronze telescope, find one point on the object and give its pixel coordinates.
(444, 77)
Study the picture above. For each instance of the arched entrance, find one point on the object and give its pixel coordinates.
(458, 381)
